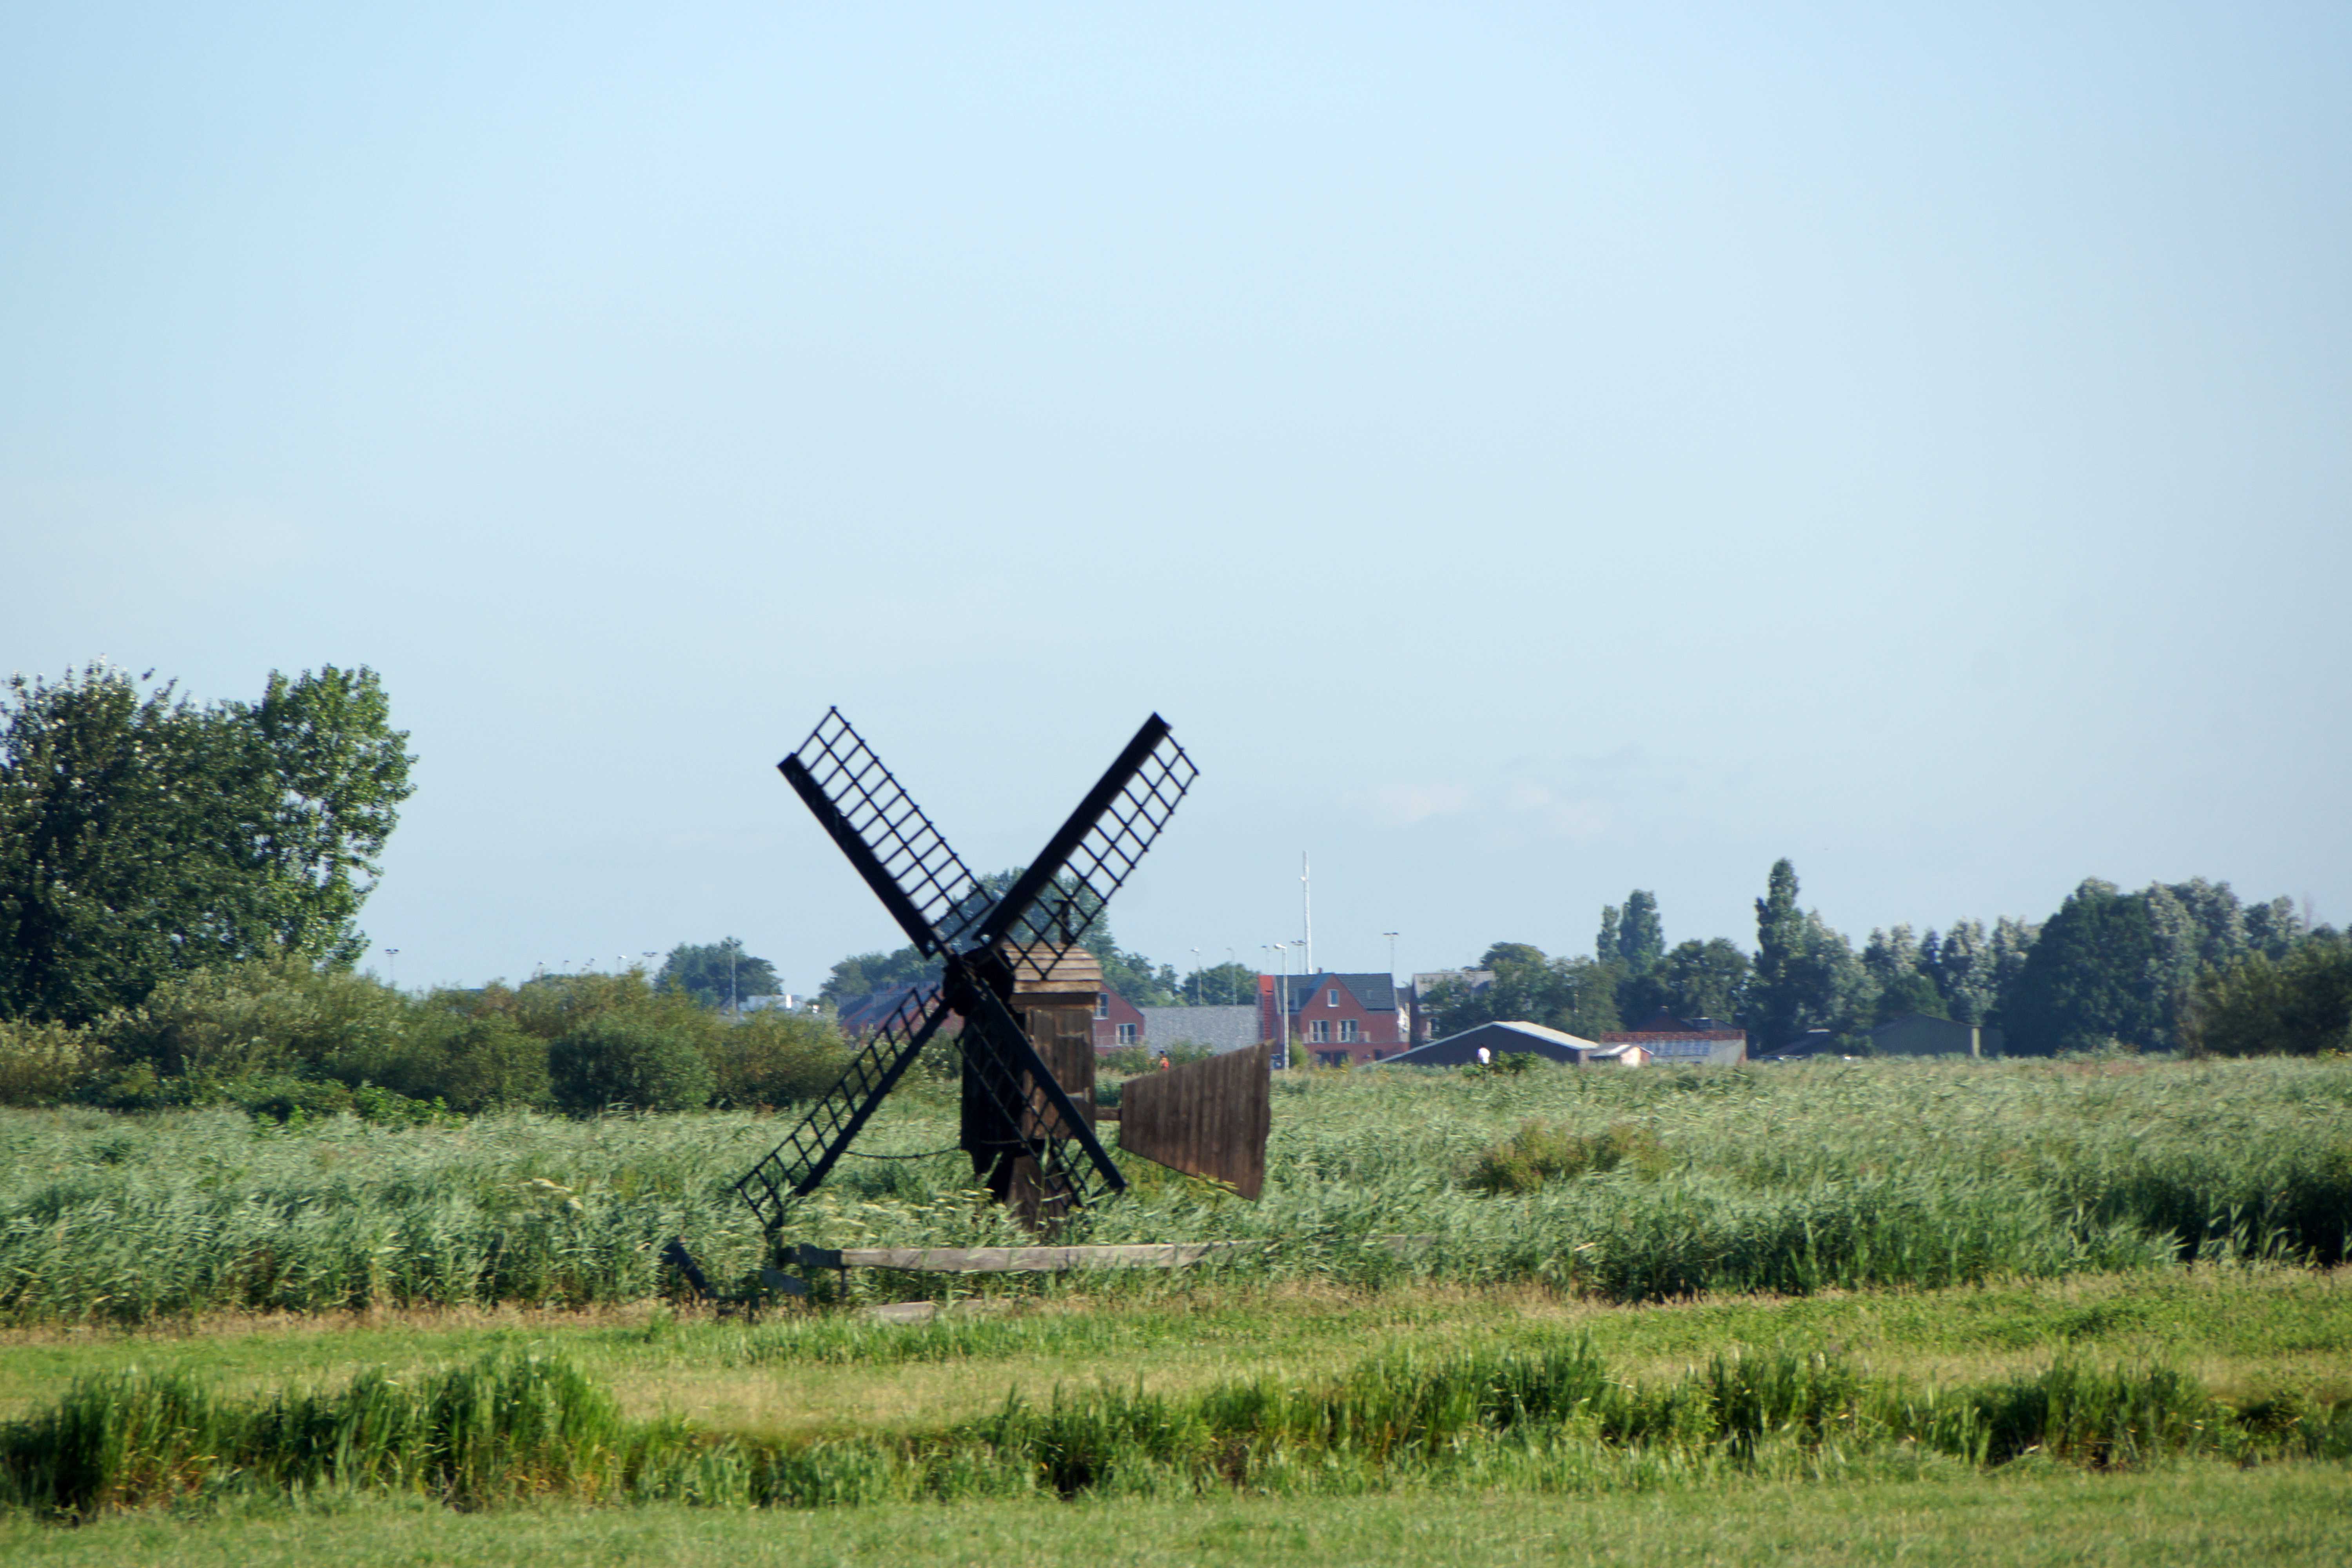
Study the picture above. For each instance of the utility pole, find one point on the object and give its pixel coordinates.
(1282, 1003)
(1307, 914)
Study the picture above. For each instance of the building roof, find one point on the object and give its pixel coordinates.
(1373, 993)
(1220, 1028)
(1505, 1038)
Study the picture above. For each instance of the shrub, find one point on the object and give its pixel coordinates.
(775, 1058)
(1536, 1153)
(474, 1064)
(273, 1014)
(1133, 1059)
(626, 1059)
(2300, 1006)
(279, 1097)
(44, 1064)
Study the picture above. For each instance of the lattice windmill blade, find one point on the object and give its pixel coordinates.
(796, 1166)
(1092, 855)
(1035, 1146)
(919, 879)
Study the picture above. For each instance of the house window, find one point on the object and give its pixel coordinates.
(1126, 1034)
(1331, 996)
(1102, 1003)
(1332, 1058)
(1318, 1030)
(1347, 1029)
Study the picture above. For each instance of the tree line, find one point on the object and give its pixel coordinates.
(285, 1037)
(151, 847)
(2174, 966)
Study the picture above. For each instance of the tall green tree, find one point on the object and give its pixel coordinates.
(2301, 1006)
(863, 973)
(2273, 929)
(718, 973)
(2177, 941)
(1777, 1002)
(2221, 921)
(1959, 960)
(1633, 938)
(1640, 935)
(2085, 981)
(1900, 981)
(143, 838)
(2012, 942)
(1806, 974)
(1220, 985)
(1709, 979)
(1575, 995)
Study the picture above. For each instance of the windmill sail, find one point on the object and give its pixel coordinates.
(1048, 909)
(1029, 1141)
(794, 1167)
(926, 887)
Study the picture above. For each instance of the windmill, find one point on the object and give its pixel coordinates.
(1012, 969)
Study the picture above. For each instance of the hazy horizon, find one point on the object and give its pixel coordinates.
(1527, 453)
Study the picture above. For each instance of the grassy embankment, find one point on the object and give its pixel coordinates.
(1999, 1241)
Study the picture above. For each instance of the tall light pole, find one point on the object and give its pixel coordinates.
(1391, 936)
(1232, 964)
(1196, 977)
(394, 954)
(1306, 917)
(1282, 1003)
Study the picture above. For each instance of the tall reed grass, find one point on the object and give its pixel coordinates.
(509, 1428)
(1789, 1180)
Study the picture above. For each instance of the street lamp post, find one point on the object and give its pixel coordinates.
(1196, 977)
(1391, 936)
(1282, 1003)
(394, 954)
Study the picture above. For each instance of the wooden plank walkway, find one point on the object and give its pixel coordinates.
(1054, 1259)
(1022, 1259)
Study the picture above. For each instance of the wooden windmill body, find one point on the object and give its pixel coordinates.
(1014, 968)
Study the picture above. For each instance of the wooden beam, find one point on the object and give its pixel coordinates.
(1023, 1259)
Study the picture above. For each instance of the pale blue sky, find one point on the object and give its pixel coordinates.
(1527, 452)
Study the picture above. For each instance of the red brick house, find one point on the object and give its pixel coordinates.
(1118, 1021)
(1332, 1018)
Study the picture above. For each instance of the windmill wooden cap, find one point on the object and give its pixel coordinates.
(1041, 980)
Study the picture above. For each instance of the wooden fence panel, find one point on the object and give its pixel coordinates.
(1205, 1119)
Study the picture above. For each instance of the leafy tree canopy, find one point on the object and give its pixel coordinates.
(1220, 985)
(863, 973)
(2085, 982)
(1575, 995)
(1633, 938)
(719, 974)
(2298, 1005)
(143, 838)
(1709, 979)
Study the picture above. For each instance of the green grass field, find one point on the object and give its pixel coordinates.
(2068, 1311)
